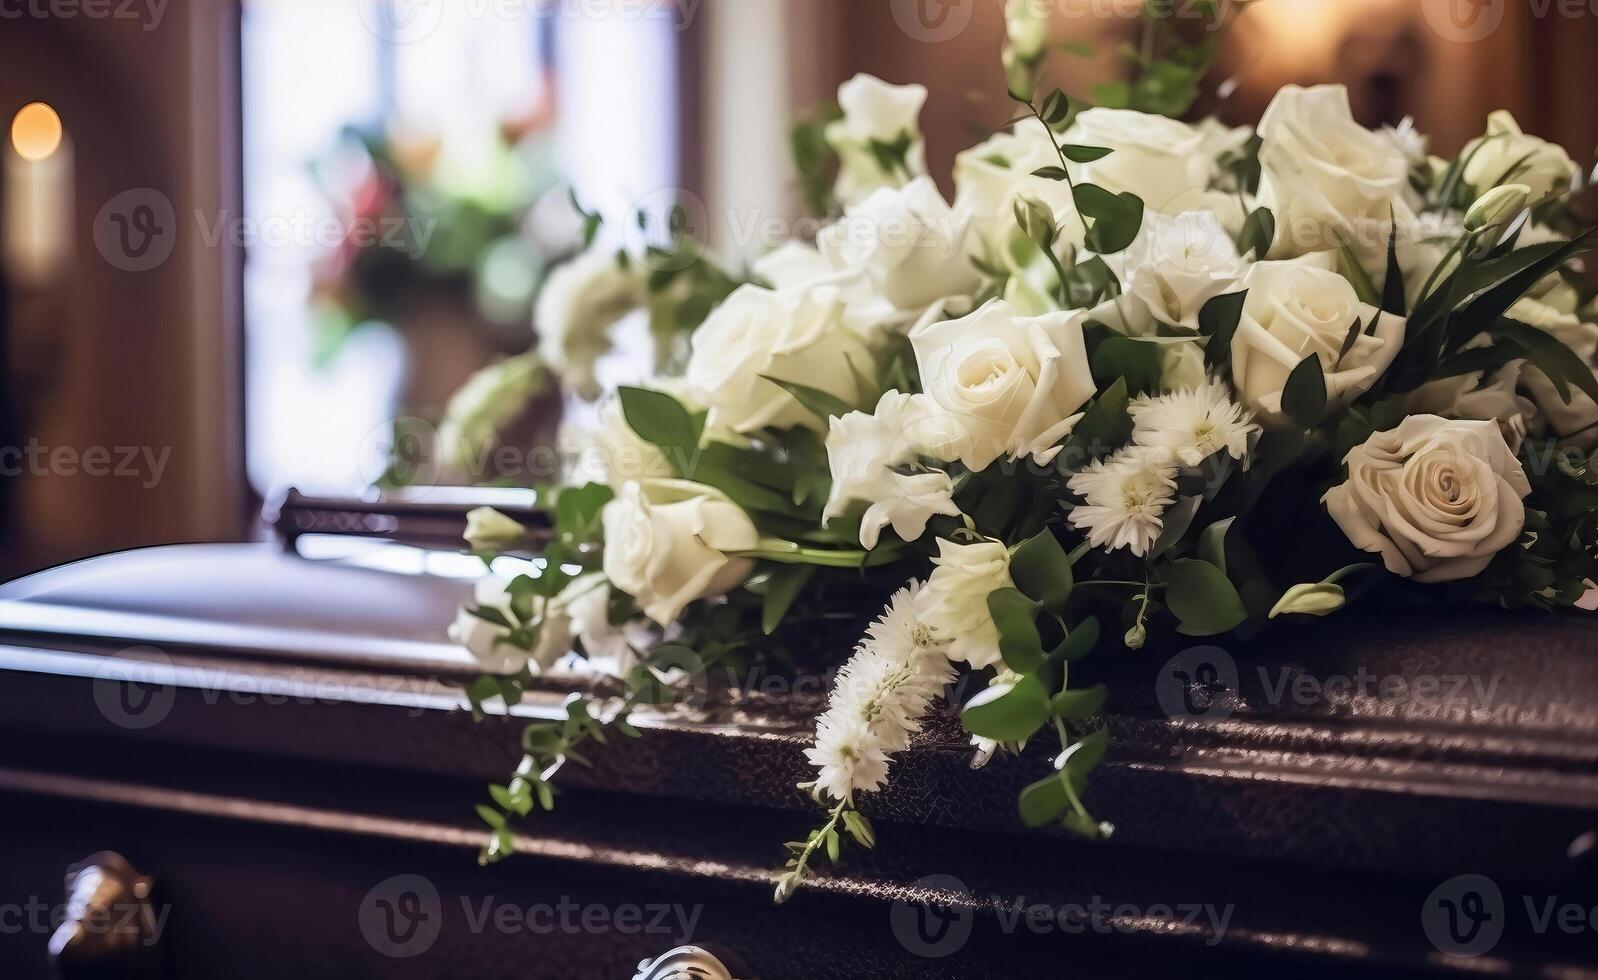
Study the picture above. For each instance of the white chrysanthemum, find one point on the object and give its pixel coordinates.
(1193, 424)
(879, 699)
(1126, 496)
(848, 754)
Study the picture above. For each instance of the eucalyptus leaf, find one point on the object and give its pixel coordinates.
(1042, 570)
(1202, 598)
(1015, 616)
(1008, 714)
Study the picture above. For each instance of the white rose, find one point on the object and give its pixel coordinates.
(1507, 154)
(1013, 381)
(488, 642)
(1176, 264)
(1182, 366)
(991, 175)
(1301, 307)
(913, 247)
(875, 112)
(1480, 396)
(1572, 419)
(577, 306)
(865, 452)
(797, 266)
(667, 543)
(1322, 173)
(1160, 160)
(954, 602)
(1436, 498)
(587, 604)
(1219, 141)
(490, 400)
(624, 454)
(797, 336)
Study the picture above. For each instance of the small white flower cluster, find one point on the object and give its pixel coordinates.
(879, 700)
(1126, 493)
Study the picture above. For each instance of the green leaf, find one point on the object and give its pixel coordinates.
(1259, 233)
(1115, 219)
(1393, 294)
(1043, 802)
(1304, 396)
(1348, 265)
(823, 404)
(1137, 361)
(491, 816)
(1056, 109)
(782, 589)
(859, 828)
(1016, 618)
(1085, 154)
(1051, 173)
(660, 419)
(1549, 355)
(1202, 598)
(1105, 427)
(1074, 705)
(1042, 570)
(1087, 757)
(1218, 320)
(1178, 518)
(1081, 641)
(1212, 543)
(1008, 714)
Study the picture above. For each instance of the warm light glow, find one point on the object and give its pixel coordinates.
(36, 132)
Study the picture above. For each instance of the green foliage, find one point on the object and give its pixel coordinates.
(1304, 396)
(1201, 597)
(1008, 713)
(1042, 571)
(1218, 320)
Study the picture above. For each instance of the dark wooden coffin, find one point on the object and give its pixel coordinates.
(255, 758)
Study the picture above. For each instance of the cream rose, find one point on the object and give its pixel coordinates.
(911, 244)
(1322, 173)
(668, 543)
(1436, 498)
(489, 642)
(989, 177)
(866, 453)
(954, 602)
(1301, 307)
(577, 306)
(875, 111)
(1578, 418)
(1160, 160)
(1505, 154)
(1176, 264)
(798, 336)
(1012, 381)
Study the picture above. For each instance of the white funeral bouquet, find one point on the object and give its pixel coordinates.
(1140, 378)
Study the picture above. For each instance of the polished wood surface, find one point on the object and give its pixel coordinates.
(271, 736)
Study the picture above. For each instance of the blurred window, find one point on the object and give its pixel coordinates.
(406, 164)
